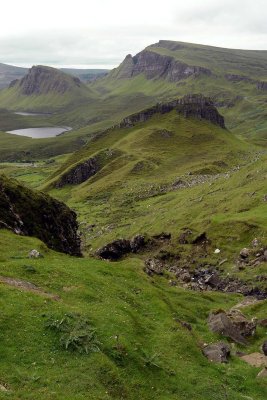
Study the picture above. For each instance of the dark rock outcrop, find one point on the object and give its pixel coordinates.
(193, 105)
(155, 65)
(118, 248)
(79, 173)
(32, 213)
(42, 80)
(217, 352)
(115, 250)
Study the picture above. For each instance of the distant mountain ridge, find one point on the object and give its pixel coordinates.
(46, 89)
(42, 80)
(9, 73)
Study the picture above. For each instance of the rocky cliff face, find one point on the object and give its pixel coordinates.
(154, 65)
(35, 214)
(194, 105)
(42, 80)
(79, 173)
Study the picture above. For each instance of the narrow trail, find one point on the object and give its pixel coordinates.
(27, 287)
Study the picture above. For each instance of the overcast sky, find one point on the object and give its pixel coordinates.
(99, 34)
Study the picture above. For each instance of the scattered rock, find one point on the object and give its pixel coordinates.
(264, 348)
(183, 238)
(244, 253)
(242, 324)
(217, 251)
(3, 388)
(34, 254)
(217, 352)
(232, 324)
(185, 277)
(255, 242)
(255, 359)
(153, 266)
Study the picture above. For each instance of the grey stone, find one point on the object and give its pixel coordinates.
(217, 352)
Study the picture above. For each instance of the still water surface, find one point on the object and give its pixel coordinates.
(40, 133)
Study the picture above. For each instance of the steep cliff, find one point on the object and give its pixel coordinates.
(79, 173)
(154, 65)
(42, 80)
(35, 214)
(193, 105)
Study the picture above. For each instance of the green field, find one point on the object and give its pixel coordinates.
(84, 328)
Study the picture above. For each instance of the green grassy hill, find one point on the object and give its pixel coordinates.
(230, 77)
(166, 174)
(44, 89)
(144, 351)
(76, 328)
(235, 79)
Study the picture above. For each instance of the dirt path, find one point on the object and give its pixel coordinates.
(27, 287)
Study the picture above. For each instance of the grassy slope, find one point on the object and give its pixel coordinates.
(109, 100)
(119, 299)
(248, 113)
(133, 193)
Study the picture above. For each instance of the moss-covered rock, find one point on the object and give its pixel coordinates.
(35, 214)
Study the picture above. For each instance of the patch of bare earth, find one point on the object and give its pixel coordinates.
(28, 287)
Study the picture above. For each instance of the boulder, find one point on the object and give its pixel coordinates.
(233, 325)
(34, 254)
(245, 327)
(244, 253)
(153, 266)
(217, 352)
(115, 250)
(255, 359)
(137, 243)
(255, 242)
(118, 248)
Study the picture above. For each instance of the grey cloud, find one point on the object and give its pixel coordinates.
(238, 23)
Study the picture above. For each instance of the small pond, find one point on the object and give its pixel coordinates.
(41, 133)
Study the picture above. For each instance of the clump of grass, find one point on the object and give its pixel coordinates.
(75, 333)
